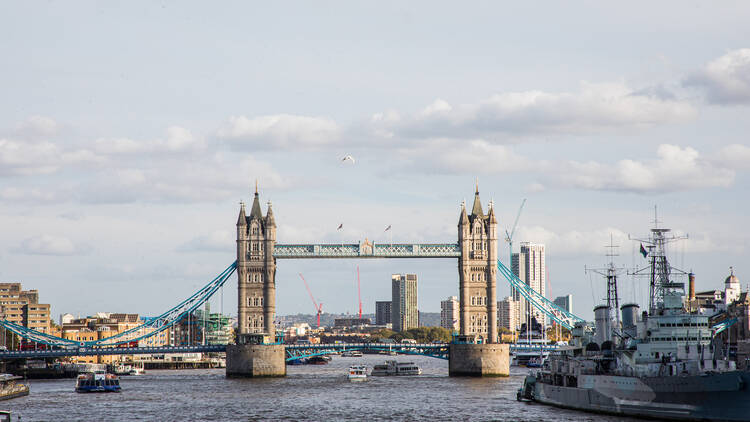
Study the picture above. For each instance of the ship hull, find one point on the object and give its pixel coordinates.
(712, 397)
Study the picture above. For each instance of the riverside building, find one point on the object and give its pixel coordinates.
(23, 308)
(449, 314)
(404, 312)
(529, 265)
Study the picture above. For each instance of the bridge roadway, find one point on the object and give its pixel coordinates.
(292, 350)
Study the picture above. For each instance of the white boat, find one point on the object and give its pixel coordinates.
(357, 373)
(392, 367)
(351, 354)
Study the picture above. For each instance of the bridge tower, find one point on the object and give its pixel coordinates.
(477, 271)
(256, 270)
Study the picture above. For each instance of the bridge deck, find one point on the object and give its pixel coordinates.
(367, 250)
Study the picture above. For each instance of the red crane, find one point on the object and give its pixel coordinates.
(359, 294)
(318, 308)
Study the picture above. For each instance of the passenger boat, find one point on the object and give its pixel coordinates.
(358, 373)
(351, 354)
(124, 369)
(10, 388)
(392, 367)
(97, 382)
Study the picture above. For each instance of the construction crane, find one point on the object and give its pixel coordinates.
(509, 236)
(359, 294)
(318, 307)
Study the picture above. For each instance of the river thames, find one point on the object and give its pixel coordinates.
(308, 393)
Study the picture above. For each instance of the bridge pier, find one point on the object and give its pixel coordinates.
(478, 360)
(256, 360)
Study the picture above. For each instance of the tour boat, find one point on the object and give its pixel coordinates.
(97, 382)
(10, 388)
(358, 373)
(351, 354)
(317, 360)
(391, 367)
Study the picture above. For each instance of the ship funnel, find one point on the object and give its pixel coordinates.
(603, 324)
(630, 318)
(691, 286)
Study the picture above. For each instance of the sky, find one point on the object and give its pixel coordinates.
(130, 132)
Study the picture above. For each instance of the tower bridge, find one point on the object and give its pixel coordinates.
(475, 353)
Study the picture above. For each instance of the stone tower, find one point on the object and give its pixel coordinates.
(256, 270)
(477, 271)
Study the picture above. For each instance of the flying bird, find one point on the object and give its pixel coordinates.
(348, 158)
(341, 226)
(387, 228)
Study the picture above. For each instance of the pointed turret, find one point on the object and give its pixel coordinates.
(463, 218)
(491, 213)
(476, 210)
(255, 212)
(242, 219)
(270, 222)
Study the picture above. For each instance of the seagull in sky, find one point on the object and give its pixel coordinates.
(348, 158)
(341, 226)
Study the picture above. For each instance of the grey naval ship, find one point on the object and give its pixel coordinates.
(662, 364)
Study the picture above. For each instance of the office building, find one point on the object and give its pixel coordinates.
(449, 314)
(507, 314)
(404, 312)
(529, 265)
(383, 312)
(565, 302)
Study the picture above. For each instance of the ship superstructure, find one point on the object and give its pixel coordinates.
(661, 363)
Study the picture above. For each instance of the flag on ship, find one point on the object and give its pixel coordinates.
(644, 252)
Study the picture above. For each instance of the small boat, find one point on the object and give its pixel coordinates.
(317, 360)
(123, 369)
(97, 382)
(351, 354)
(297, 361)
(535, 362)
(358, 373)
(392, 367)
(10, 388)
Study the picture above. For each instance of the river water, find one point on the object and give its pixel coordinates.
(308, 393)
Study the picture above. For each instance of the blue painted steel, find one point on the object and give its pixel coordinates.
(435, 350)
(367, 250)
(105, 351)
(563, 317)
(152, 327)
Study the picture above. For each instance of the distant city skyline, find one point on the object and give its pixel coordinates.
(129, 134)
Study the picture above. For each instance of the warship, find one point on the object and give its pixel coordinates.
(660, 364)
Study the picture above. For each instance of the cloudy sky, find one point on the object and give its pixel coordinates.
(130, 132)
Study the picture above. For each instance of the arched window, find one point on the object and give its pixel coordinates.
(472, 302)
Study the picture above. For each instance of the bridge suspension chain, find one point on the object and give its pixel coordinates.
(152, 326)
(536, 299)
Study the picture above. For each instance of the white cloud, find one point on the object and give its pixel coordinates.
(216, 241)
(280, 131)
(35, 158)
(572, 242)
(732, 156)
(475, 156)
(595, 108)
(725, 80)
(50, 245)
(38, 126)
(675, 169)
(33, 195)
(177, 140)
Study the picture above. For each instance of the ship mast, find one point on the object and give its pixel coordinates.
(659, 270)
(610, 273)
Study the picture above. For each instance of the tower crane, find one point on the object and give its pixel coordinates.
(509, 236)
(318, 307)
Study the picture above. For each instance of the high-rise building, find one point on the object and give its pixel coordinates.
(404, 312)
(507, 314)
(449, 314)
(529, 265)
(565, 302)
(23, 308)
(383, 312)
